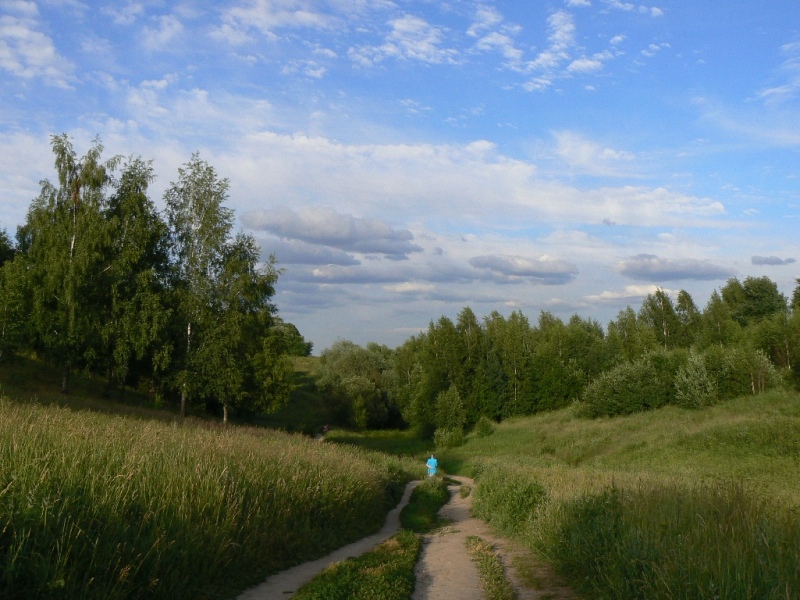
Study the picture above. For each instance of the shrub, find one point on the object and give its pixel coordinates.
(448, 438)
(484, 427)
(631, 387)
(694, 387)
(738, 371)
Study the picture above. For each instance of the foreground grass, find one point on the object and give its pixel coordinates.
(385, 573)
(492, 574)
(668, 504)
(99, 506)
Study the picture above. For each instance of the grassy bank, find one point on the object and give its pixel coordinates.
(669, 504)
(100, 506)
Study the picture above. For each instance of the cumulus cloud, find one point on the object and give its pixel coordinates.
(28, 53)
(630, 292)
(772, 260)
(296, 252)
(514, 269)
(325, 226)
(650, 267)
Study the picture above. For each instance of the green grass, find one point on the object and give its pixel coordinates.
(385, 573)
(401, 443)
(673, 503)
(102, 506)
(492, 574)
(420, 515)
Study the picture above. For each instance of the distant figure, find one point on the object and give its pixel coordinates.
(326, 429)
(432, 464)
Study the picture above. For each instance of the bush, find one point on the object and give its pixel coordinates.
(448, 438)
(694, 387)
(739, 371)
(484, 427)
(631, 387)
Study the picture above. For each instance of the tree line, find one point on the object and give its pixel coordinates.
(100, 281)
(450, 377)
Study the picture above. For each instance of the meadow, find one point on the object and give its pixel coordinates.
(106, 506)
(672, 503)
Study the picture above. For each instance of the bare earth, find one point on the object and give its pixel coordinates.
(444, 570)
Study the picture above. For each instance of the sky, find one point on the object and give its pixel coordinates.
(404, 159)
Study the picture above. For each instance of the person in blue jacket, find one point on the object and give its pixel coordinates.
(432, 464)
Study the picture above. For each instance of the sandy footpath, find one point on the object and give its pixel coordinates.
(445, 571)
(286, 583)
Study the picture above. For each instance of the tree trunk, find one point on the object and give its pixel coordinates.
(188, 351)
(225, 413)
(65, 378)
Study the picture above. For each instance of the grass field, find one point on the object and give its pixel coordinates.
(672, 503)
(105, 499)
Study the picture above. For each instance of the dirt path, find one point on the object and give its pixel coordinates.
(286, 583)
(446, 572)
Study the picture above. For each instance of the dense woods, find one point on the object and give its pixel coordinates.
(99, 281)
(745, 340)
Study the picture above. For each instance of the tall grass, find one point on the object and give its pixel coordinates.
(668, 504)
(97, 506)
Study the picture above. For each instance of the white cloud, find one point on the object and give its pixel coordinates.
(168, 28)
(268, 17)
(125, 15)
(589, 157)
(28, 53)
(411, 38)
(630, 292)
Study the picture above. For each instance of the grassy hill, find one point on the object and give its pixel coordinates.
(673, 503)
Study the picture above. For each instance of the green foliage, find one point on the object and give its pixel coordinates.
(694, 387)
(490, 569)
(505, 498)
(385, 573)
(444, 437)
(450, 410)
(107, 507)
(421, 514)
(484, 427)
(356, 379)
(631, 387)
(671, 542)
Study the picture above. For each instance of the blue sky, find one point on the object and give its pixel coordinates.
(404, 159)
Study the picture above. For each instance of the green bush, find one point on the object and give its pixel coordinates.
(631, 387)
(484, 427)
(694, 387)
(448, 438)
(739, 371)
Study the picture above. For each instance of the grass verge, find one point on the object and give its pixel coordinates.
(421, 514)
(492, 574)
(385, 573)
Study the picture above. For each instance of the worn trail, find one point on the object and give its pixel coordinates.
(286, 583)
(445, 571)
